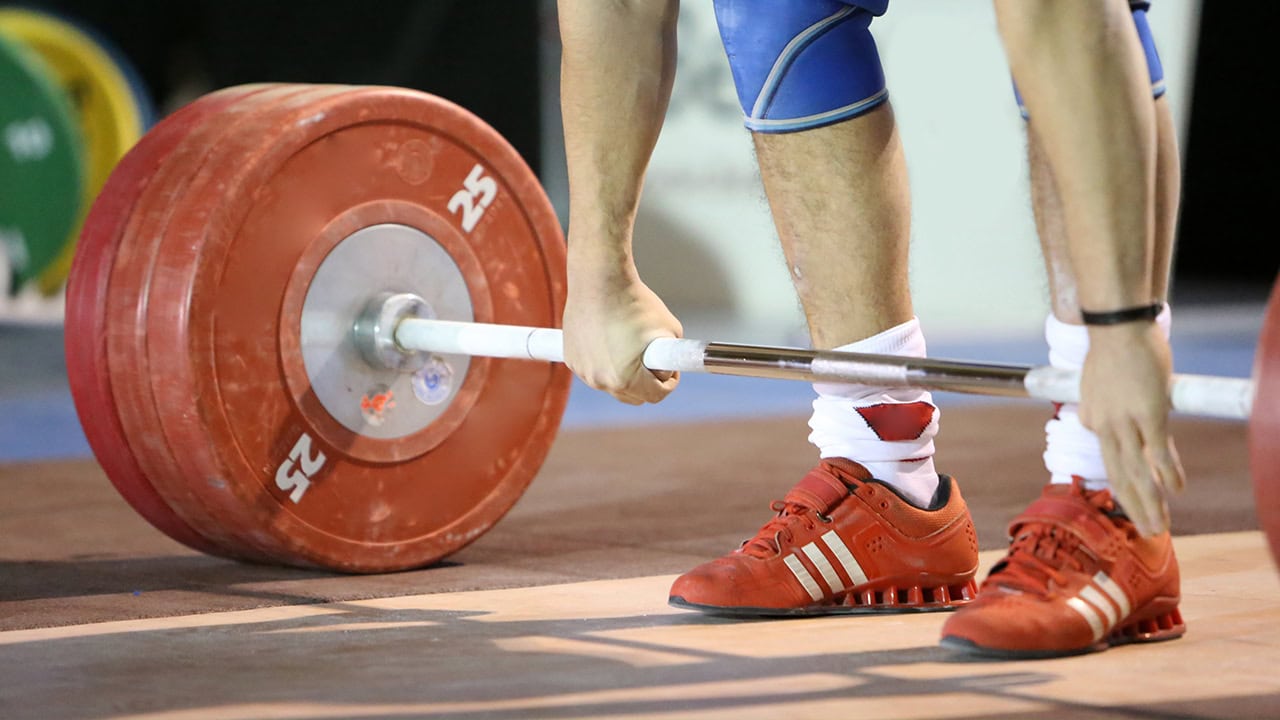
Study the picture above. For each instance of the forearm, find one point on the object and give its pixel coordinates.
(617, 67)
(1082, 76)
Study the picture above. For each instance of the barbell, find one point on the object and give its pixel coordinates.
(301, 324)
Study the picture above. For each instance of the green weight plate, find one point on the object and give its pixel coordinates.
(105, 103)
(41, 163)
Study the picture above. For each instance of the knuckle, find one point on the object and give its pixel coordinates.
(602, 381)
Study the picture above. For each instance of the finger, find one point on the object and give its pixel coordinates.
(1162, 459)
(1178, 482)
(1121, 478)
(626, 392)
(662, 375)
(1144, 488)
(670, 383)
(1158, 445)
(627, 397)
(1143, 497)
(1116, 474)
(666, 385)
(1165, 465)
(1161, 452)
(647, 387)
(612, 387)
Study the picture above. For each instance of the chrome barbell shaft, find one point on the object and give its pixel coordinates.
(1206, 395)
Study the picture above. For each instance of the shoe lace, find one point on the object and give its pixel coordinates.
(1043, 553)
(1039, 559)
(789, 518)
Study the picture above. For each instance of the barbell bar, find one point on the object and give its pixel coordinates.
(1205, 395)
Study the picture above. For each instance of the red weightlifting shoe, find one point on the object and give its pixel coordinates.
(1078, 578)
(843, 543)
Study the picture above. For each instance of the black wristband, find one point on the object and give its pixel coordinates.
(1143, 313)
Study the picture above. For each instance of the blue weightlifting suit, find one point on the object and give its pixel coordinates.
(800, 64)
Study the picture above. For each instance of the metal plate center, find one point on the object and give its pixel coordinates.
(380, 403)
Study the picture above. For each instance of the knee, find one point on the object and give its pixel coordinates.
(1138, 10)
(1027, 25)
(802, 65)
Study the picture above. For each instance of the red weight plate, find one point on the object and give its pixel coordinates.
(1264, 425)
(126, 307)
(87, 289)
(221, 315)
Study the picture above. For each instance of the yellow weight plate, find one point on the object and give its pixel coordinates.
(110, 116)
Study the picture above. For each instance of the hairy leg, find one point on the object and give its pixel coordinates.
(842, 209)
(1084, 78)
(841, 205)
(1051, 224)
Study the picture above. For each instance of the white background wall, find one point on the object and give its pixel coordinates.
(704, 239)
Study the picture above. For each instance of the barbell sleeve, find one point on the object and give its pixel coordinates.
(1210, 396)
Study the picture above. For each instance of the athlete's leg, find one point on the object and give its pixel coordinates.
(1047, 205)
(841, 205)
(809, 79)
(1080, 574)
(1072, 450)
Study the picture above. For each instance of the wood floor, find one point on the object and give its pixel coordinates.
(613, 649)
(560, 611)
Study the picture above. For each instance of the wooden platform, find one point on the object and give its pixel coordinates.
(560, 611)
(609, 503)
(613, 649)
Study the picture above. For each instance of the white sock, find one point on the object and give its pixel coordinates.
(1071, 449)
(889, 431)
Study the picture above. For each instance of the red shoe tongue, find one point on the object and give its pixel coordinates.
(823, 487)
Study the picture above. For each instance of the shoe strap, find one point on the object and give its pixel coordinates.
(1065, 508)
(823, 487)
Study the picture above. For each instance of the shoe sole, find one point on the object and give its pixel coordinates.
(942, 598)
(811, 611)
(1165, 627)
(969, 647)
